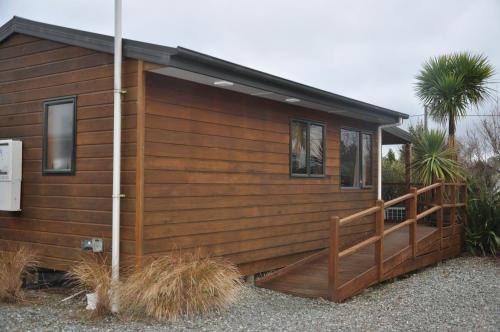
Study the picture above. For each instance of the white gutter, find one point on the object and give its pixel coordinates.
(117, 128)
(379, 161)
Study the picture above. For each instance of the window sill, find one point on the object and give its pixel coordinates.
(298, 176)
(369, 188)
(55, 173)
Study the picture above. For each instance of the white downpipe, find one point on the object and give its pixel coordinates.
(117, 128)
(379, 161)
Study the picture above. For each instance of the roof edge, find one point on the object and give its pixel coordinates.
(194, 56)
(186, 58)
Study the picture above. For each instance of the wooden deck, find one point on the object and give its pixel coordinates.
(335, 275)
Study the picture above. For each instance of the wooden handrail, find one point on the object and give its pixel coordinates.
(351, 250)
(426, 189)
(428, 212)
(358, 215)
(398, 226)
(378, 239)
(397, 200)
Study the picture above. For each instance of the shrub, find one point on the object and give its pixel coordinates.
(393, 178)
(482, 232)
(13, 266)
(179, 284)
(432, 158)
(93, 274)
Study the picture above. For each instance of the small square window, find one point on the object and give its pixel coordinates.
(59, 136)
(307, 148)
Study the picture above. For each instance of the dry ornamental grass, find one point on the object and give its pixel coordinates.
(13, 267)
(179, 284)
(93, 274)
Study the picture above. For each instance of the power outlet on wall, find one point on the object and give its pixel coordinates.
(97, 245)
(94, 245)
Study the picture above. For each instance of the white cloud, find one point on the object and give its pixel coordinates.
(368, 50)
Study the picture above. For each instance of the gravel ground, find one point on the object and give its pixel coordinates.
(459, 295)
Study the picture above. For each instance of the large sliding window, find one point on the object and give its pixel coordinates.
(355, 159)
(59, 136)
(307, 148)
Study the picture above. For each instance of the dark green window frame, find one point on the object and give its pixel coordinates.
(46, 104)
(308, 123)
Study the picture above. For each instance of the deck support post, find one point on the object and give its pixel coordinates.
(439, 213)
(453, 208)
(333, 259)
(379, 245)
(412, 214)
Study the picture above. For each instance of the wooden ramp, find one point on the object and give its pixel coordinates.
(395, 249)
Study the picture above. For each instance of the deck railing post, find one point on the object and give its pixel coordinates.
(453, 208)
(412, 214)
(379, 245)
(333, 259)
(439, 213)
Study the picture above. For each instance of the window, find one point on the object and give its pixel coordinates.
(59, 136)
(307, 148)
(355, 159)
(366, 160)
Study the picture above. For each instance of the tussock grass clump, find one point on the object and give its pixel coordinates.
(93, 274)
(179, 284)
(13, 266)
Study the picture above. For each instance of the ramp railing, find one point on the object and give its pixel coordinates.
(434, 194)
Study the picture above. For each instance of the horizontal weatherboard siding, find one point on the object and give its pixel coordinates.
(59, 211)
(216, 172)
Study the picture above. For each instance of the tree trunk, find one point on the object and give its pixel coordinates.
(451, 133)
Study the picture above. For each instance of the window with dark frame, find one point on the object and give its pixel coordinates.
(59, 136)
(307, 148)
(355, 159)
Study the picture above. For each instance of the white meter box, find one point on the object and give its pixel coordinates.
(10, 175)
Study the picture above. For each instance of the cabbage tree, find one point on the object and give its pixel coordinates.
(451, 84)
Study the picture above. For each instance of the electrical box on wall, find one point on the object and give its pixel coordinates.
(11, 161)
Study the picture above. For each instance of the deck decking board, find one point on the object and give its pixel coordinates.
(309, 278)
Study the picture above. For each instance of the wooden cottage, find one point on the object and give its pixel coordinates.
(215, 156)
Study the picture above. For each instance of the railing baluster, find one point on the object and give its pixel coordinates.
(333, 259)
(379, 245)
(413, 215)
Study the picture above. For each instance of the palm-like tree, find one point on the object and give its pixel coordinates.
(451, 84)
(432, 158)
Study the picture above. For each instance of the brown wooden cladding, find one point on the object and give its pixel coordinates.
(59, 211)
(201, 167)
(216, 177)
